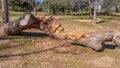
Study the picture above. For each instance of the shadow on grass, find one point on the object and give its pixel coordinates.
(105, 46)
(76, 44)
(100, 22)
(115, 15)
(6, 46)
(24, 54)
(109, 46)
(24, 34)
(31, 34)
(5, 38)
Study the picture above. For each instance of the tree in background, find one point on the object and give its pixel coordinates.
(55, 6)
(116, 3)
(58, 6)
(23, 5)
(0, 5)
(5, 12)
(45, 6)
(78, 6)
(93, 9)
(20, 5)
(49, 6)
(65, 6)
(33, 4)
(106, 5)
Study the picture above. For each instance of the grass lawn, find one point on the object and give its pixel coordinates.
(34, 49)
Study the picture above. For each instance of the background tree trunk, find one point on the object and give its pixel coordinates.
(91, 9)
(116, 9)
(34, 6)
(49, 7)
(91, 13)
(95, 11)
(5, 13)
(35, 10)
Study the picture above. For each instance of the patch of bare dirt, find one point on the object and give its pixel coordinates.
(84, 20)
(12, 63)
(103, 62)
(3, 42)
(38, 55)
(59, 46)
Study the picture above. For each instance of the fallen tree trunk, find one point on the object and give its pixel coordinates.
(51, 27)
(16, 26)
(93, 40)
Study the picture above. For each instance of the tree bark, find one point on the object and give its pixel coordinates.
(95, 11)
(116, 9)
(53, 11)
(91, 9)
(117, 41)
(5, 13)
(91, 13)
(35, 10)
(34, 6)
(93, 40)
(49, 7)
(16, 26)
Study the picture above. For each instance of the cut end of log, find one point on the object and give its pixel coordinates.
(25, 19)
(93, 40)
(97, 39)
(117, 41)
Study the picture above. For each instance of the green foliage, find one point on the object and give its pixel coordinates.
(109, 4)
(19, 5)
(57, 6)
(0, 4)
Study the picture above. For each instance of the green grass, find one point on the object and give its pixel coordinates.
(71, 17)
(110, 17)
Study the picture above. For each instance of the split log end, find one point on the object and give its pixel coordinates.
(117, 41)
